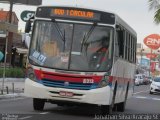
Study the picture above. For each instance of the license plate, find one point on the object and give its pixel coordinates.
(66, 94)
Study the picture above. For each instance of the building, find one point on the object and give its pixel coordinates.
(9, 32)
(148, 61)
(4, 17)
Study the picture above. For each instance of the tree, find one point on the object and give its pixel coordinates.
(155, 5)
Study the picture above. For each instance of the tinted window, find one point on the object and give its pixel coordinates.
(157, 79)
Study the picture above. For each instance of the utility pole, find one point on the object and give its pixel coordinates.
(5, 59)
(150, 63)
(6, 46)
(10, 11)
(141, 53)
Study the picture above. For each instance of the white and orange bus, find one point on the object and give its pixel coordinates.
(80, 56)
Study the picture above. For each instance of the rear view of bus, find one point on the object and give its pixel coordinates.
(74, 59)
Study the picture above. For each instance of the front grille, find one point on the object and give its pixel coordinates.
(71, 85)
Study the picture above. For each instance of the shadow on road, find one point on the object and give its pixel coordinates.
(89, 111)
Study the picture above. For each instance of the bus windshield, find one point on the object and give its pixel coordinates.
(71, 46)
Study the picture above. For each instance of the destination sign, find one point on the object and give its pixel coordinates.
(73, 13)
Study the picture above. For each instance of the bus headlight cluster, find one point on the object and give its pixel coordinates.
(104, 82)
(30, 74)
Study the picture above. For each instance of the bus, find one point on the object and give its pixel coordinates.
(80, 56)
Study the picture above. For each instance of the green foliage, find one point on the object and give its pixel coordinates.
(157, 16)
(155, 5)
(12, 72)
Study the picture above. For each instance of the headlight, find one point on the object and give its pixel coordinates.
(104, 82)
(30, 74)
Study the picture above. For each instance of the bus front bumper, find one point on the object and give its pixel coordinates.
(99, 96)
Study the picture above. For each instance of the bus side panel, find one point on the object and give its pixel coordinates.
(123, 73)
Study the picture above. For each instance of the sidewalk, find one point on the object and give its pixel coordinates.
(7, 96)
(13, 79)
(13, 87)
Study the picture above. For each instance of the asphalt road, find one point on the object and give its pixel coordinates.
(141, 103)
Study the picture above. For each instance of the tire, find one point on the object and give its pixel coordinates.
(106, 109)
(61, 105)
(38, 104)
(121, 106)
(150, 92)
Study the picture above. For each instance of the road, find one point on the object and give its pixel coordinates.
(21, 108)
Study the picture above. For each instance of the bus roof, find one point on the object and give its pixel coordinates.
(121, 22)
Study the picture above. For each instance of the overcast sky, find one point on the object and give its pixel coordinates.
(134, 12)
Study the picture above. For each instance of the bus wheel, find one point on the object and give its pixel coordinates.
(106, 109)
(121, 106)
(38, 104)
(150, 92)
(61, 105)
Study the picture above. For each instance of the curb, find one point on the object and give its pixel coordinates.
(7, 96)
(13, 79)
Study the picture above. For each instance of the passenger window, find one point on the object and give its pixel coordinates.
(120, 38)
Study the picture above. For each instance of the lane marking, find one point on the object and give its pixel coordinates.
(141, 92)
(141, 97)
(22, 118)
(43, 113)
(148, 98)
(155, 98)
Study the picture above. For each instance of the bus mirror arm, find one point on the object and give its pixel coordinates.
(87, 35)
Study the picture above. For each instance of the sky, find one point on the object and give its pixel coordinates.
(135, 12)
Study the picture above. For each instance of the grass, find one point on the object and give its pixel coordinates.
(12, 72)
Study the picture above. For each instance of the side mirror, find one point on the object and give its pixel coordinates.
(28, 26)
(118, 28)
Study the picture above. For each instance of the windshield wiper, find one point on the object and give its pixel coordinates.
(83, 39)
(86, 36)
(60, 33)
(64, 40)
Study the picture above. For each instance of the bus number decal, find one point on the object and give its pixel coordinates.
(36, 54)
(88, 81)
(38, 58)
(41, 58)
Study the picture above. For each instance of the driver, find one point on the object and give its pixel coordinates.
(104, 44)
(100, 55)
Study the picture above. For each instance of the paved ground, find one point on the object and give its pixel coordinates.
(142, 106)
